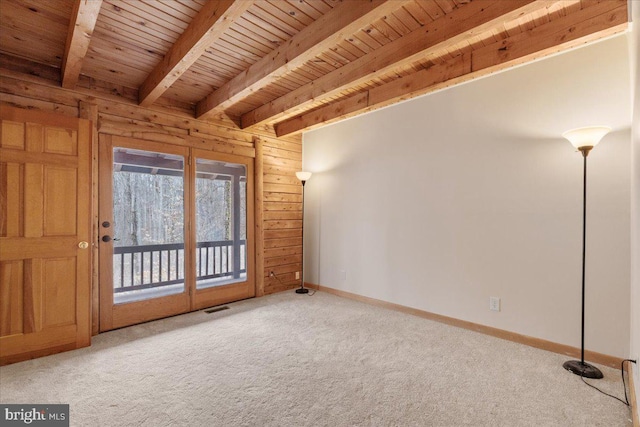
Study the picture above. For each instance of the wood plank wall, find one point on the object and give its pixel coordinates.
(28, 85)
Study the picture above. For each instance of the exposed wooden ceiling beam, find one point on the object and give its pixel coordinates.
(83, 21)
(465, 21)
(595, 21)
(322, 34)
(215, 17)
(419, 83)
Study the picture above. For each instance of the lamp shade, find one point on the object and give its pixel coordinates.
(587, 136)
(303, 176)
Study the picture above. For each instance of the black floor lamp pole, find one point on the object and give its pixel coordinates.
(580, 367)
(302, 289)
(585, 153)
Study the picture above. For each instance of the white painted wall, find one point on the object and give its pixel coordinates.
(634, 47)
(440, 202)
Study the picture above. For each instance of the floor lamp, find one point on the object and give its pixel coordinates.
(303, 177)
(584, 139)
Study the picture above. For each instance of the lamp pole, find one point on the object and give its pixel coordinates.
(584, 139)
(303, 177)
(585, 153)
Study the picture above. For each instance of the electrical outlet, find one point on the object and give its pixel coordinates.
(297, 275)
(343, 275)
(494, 303)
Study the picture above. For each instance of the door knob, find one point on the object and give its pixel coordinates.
(106, 238)
(83, 245)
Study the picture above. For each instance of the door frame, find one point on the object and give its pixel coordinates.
(191, 299)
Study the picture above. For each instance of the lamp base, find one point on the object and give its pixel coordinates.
(302, 291)
(583, 369)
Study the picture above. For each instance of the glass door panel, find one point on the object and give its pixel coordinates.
(221, 223)
(148, 225)
(224, 257)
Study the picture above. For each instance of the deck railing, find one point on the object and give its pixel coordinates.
(154, 266)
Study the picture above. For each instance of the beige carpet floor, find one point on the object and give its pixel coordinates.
(293, 360)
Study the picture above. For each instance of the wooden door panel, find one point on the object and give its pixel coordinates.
(33, 200)
(59, 292)
(12, 135)
(11, 297)
(45, 202)
(59, 201)
(32, 303)
(11, 191)
(60, 141)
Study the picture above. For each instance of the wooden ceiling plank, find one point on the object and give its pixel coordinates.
(351, 47)
(83, 21)
(347, 51)
(322, 6)
(217, 62)
(242, 43)
(418, 13)
(273, 7)
(366, 38)
(468, 19)
(207, 27)
(359, 44)
(373, 32)
(247, 36)
(34, 12)
(402, 21)
(247, 27)
(307, 8)
(145, 25)
(319, 66)
(31, 46)
(108, 52)
(327, 31)
(60, 9)
(295, 12)
(147, 11)
(447, 5)
(174, 9)
(591, 23)
(330, 61)
(267, 26)
(432, 9)
(407, 19)
(108, 23)
(556, 10)
(266, 13)
(384, 28)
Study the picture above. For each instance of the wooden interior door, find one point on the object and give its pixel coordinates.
(45, 234)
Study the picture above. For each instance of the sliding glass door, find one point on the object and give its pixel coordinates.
(173, 230)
